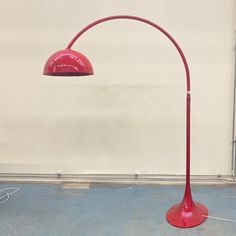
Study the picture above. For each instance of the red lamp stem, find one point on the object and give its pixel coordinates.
(188, 123)
(187, 213)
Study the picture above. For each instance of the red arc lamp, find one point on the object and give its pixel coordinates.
(68, 62)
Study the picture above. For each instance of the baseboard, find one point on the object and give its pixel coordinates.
(115, 178)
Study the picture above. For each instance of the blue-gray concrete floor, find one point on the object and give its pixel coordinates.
(111, 210)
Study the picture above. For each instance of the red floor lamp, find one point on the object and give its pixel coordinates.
(68, 62)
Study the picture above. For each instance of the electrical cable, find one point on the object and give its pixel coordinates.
(6, 192)
(221, 219)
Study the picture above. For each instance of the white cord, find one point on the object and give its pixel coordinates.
(221, 219)
(6, 192)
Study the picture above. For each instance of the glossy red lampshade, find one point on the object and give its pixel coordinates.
(68, 63)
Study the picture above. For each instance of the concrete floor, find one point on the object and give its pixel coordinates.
(111, 210)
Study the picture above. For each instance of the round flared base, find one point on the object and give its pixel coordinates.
(183, 216)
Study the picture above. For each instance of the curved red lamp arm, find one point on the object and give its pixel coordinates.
(186, 213)
(142, 20)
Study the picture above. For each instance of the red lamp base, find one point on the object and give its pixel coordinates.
(185, 215)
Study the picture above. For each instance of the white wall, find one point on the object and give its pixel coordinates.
(130, 116)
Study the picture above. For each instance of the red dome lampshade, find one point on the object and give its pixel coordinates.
(68, 63)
